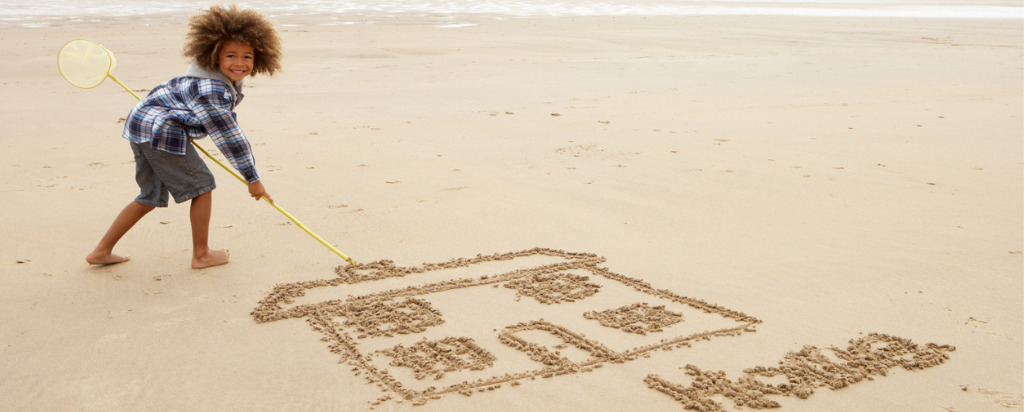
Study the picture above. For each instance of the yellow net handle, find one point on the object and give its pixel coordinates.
(240, 178)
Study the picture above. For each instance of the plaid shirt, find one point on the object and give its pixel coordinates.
(187, 108)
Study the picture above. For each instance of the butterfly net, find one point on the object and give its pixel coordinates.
(84, 63)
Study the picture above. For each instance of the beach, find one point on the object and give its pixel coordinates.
(511, 186)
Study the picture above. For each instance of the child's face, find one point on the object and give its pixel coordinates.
(236, 60)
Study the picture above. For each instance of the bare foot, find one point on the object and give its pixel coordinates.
(213, 257)
(101, 258)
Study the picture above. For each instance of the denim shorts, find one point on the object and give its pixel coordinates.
(159, 173)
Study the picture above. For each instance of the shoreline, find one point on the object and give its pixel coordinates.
(326, 18)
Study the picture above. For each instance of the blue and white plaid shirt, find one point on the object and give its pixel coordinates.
(191, 108)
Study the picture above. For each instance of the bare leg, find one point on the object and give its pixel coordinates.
(129, 216)
(202, 255)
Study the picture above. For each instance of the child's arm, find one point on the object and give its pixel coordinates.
(213, 110)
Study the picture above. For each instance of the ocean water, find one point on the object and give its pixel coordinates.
(42, 13)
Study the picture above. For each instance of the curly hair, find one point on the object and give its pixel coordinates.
(218, 25)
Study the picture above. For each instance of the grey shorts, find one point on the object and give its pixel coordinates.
(159, 173)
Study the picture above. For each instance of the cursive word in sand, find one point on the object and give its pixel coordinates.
(803, 371)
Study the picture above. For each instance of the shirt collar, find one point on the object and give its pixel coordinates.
(195, 70)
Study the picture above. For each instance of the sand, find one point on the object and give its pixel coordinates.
(550, 214)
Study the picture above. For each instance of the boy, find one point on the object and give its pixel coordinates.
(227, 44)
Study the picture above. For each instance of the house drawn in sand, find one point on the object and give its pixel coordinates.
(537, 313)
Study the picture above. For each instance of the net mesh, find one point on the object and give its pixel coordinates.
(84, 63)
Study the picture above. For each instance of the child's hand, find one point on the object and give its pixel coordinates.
(257, 191)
